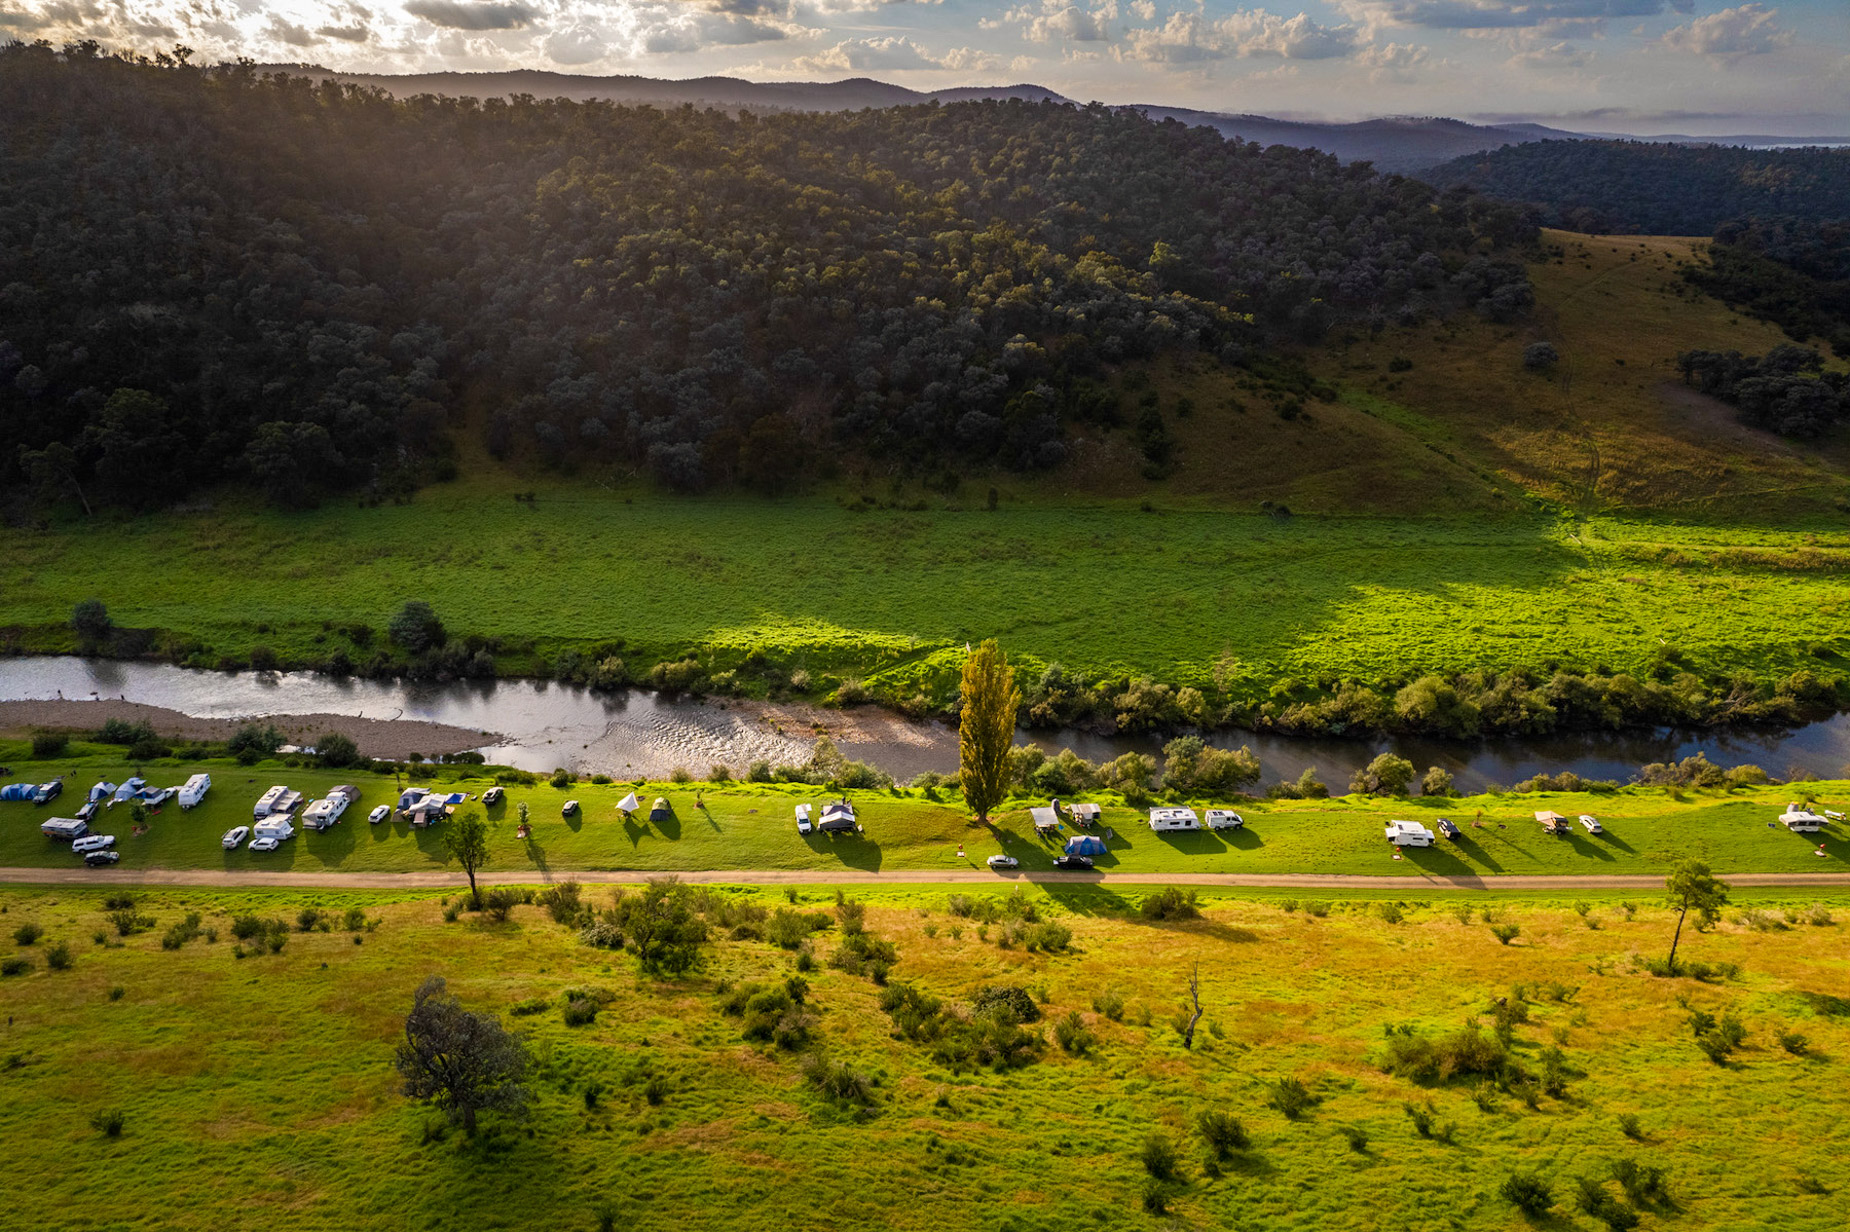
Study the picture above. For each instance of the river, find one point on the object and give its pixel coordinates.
(636, 732)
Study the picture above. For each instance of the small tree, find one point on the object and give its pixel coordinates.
(90, 619)
(337, 750)
(1540, 356)
(416, 627)
(1437, 782)
(1386, 775)
(986, 730)
(663, 926)
(467, 839)
(462, 1062)
(1187, 1020)
(1693, 886)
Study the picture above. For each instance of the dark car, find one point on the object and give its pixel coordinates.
(48, 792)
(1447, 829)
(94, 858)
(1076, 863)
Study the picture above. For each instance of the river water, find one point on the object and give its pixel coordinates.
(544, 725)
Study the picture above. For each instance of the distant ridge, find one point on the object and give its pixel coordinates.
(1394, 143)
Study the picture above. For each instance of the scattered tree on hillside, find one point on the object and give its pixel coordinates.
(466, 838)
(1386, 775)
(416, 627)
(464, 1063)
(663, 926)
(986, 728)
(90, 620)
(1692, 886)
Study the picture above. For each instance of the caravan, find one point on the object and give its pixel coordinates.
(64, 829)
(1409, 834)
(1801, 820)
(323, 813)
(195, 790)
(1174, 819)
(279, 826)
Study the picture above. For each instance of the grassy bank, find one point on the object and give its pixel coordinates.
(259, 1090)
(741, 826)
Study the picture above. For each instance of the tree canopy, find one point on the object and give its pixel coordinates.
(463, 1062)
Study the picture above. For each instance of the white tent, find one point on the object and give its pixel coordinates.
(629, 803)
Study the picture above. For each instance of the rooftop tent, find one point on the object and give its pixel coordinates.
(838, 816)
(1045, 818)
(629, 803)
(659, 811)
(1085, 845)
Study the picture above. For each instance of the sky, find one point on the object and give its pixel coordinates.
(1638, 66)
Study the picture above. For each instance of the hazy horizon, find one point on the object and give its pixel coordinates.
(1635, 66)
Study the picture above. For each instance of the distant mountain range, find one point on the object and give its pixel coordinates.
(1405, 144)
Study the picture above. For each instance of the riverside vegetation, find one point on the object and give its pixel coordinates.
(917, 1057)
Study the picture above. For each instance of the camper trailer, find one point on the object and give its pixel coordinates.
(64, 829)
(1409, 834)
(1174, 819)
(266, 803)
(1801, 820)
(838, 815)
(1225, 819)
(195, 790)
(325, 812)
(277, 826)
(1086, 814)
(1552, 823)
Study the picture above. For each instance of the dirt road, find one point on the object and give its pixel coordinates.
(905, 876)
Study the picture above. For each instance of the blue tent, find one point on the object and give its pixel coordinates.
(1085, 845)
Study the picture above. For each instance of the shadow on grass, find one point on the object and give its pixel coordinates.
(331, 847)
(669, 825)
(1585, 846)
(1193, 842)
(1088, 899)
(1475, 850)
(856, 851)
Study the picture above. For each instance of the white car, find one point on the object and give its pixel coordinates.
(93, 842)
(234, 837)
(1591, 823)
(268, 842)
(1003, 862)
(379, 814)
(803, 826)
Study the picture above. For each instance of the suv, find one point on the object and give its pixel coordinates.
(48, 792)
(1073, 862)
(95, 858)
(93, 842)
(493, 796)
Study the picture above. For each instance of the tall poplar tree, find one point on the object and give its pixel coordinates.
(987, 730)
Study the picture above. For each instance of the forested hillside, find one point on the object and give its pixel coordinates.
(1640, 188)
(1795, 274)
(211, 274)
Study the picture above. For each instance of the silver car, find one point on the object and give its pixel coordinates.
(93, 842)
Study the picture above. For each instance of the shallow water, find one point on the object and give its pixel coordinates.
(543, 725)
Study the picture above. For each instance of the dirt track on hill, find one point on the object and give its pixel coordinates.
(905, 876)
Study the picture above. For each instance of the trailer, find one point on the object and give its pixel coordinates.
(194, 790)
(1162, 819)
(1409, 834)
(64, 829)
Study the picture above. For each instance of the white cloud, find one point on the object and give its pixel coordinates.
(1744, 31)
(1059, 21)
(473, 14)
(1189, 38)
(576, 45)
(1549, 57)
(875, 55)
(970, 60)
(1560, 15)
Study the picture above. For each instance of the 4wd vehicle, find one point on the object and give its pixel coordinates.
(96, 858)
(1074, 863)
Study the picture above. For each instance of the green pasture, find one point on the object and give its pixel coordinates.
(752, 826)
(892, 596)
(257, 1091)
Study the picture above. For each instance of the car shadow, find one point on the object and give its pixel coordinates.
(1585, 846)
(1475, 850)
(1192, 842)
(575, 820)
(1242, 839)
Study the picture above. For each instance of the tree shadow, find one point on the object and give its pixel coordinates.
(430, 843)
(1087, 899)
(1465, 844)
(331, 846)
(1584, 846)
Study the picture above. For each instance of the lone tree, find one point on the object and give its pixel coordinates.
(416, 627)
(467, 838)
(662, 925)
(91, 621)
(337, 750)
(1386, 775)
(1692, 886)
(986, 731)
(462, 1062)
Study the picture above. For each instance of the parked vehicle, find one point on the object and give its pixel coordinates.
(1009, 862)
(89, 810)
(1447, 829)
(278, 827)
(97, 858)
(1073, 863)
(1591, 824)
(65, 829)
(1225, 819)
(268, 842)
(1409, 834)
(494, 795)
(1801, 820)
(1174, 819)
(48, 792)
(235, 837)
(571, 806)
(379, 814)
(93, 842)
(194, 790)
(324, 813)
(803, 826)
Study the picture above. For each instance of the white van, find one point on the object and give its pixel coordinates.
(278, 827)
(195, 790)
(1174, 819)
(1225, 819)
(1409, 834)
(65, 829)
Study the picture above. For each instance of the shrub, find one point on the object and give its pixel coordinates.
(1050, 937)
(1592, 1198)
(1072, 1034)
(605, 934)
(1290, 1097)
(580, 1010)
(307, 919)
(563, 902)
(1643, 1183)
(182, 932)
(1171, 903)
(529, 1007)
(1356, 1138)
(1010, 997)
(1222, 1131)
(561, 778)
(337, 750)
(1528, 1193)
(1155, 1197)
(1505, 933)
(128, 922)
(16, 965)
(415, 627)
(1793, 1042)
(1110, 1003)
(58, 957)
(500, 901)
(27, 933)
(118, 902)
(354, 919)
(1421, 1116)
(1158, 1156)
(1437, 782)
(838, 1081)
(1629, 1126)
(1540, 357)
(50, 744)
(108, 1123)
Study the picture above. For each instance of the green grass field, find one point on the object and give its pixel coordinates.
(258, 1091)
(751, 826)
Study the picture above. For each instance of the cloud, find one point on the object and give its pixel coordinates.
(1551, 57)
(1731, 33)
(576, 45)
(347, 34)
(476, 15)
(290, 34)
(1505, 14)
(875, 55)
(1059, 21)
(1188, 38)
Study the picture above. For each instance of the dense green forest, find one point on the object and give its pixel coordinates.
(211, 274)
(1792, 273)
(1642, 188)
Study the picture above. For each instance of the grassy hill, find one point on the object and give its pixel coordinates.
(257, 1088)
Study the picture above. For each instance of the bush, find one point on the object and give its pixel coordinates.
(1050, 937)
(16, 965)
(1009, 997)
(1356, 1137)
(27, 933)
(500, 901)
(1793, 1043)
(415, 628)
(108, 1123)
(1291, 1098)
(1505, 933)
(1540, 357)
(1643, 1183)
(579, 1011)
(354, 919)
(90, 621)
(128, 922)
(1421, 1116)
(1592, 1198)
(58, 957)
(179, 934)
(1072, 1034)
(838, 1081)
(1110, 1003)
(50, 744)
(1437, 782)
(1222, 1131)
(336, 750)
(1528, 1193)
(1158, 1156)
(604, 934)
(1386, 775)
(1171, 904)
